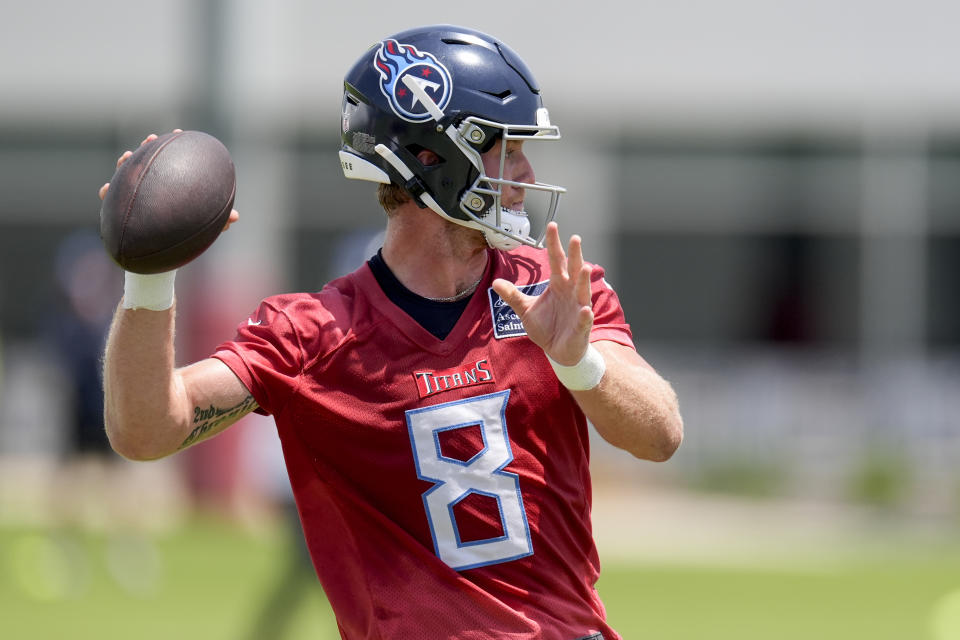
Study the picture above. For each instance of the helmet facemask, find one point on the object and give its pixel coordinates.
(482, 201)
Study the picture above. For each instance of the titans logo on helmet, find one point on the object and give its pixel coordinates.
(396, 61)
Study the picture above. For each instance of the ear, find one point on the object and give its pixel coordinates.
(428, 158)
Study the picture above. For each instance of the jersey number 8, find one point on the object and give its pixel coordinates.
(482, 474)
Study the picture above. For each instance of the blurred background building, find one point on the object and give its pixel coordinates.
(772, 186)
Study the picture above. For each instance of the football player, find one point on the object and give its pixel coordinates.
(433, 405)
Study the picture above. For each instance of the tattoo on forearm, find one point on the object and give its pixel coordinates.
(207, 419)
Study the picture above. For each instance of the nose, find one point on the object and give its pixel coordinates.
(522, 169)
(519, 170)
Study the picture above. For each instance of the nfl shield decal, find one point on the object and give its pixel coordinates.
(397, 61)
(506, 323)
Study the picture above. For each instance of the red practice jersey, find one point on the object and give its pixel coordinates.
(443, 485)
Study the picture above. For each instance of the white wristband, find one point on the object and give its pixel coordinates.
(584, 375)
(148, 291)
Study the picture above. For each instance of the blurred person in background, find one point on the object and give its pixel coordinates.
(432, 405)
(93, 491)
(1, 349)
(284, 598)
(295, 579)
(88, 283)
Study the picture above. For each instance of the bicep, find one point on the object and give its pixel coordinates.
(215, 398)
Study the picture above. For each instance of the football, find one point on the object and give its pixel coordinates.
(168, 202)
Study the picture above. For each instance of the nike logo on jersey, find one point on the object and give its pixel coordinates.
(251, 323)
(431, 382)
(506, 323)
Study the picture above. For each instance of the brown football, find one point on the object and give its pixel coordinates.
(168, 202)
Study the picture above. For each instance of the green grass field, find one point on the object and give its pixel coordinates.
(209, 581)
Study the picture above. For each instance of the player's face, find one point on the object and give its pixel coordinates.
(516, 168)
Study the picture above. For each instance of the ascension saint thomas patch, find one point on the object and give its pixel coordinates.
(506, 323)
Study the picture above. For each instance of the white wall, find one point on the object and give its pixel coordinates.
(736, 63)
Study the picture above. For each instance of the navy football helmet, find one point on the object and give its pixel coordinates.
(455, 92)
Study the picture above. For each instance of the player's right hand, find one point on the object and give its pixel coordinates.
(234, 214)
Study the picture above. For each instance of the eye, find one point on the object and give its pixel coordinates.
(513, 148)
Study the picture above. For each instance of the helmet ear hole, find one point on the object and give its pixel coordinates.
(424, 156)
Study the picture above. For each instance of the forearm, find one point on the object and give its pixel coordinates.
(633, 408)
(143, 405)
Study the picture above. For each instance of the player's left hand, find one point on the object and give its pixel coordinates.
(560, 319)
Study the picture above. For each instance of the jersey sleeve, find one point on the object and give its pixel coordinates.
(266, 355)
(609, 322)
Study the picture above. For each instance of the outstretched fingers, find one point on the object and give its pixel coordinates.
(579, 270)
(558, 260)
(574, 256)
(583, 292)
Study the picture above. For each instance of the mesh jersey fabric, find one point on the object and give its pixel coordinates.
(443, 485)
